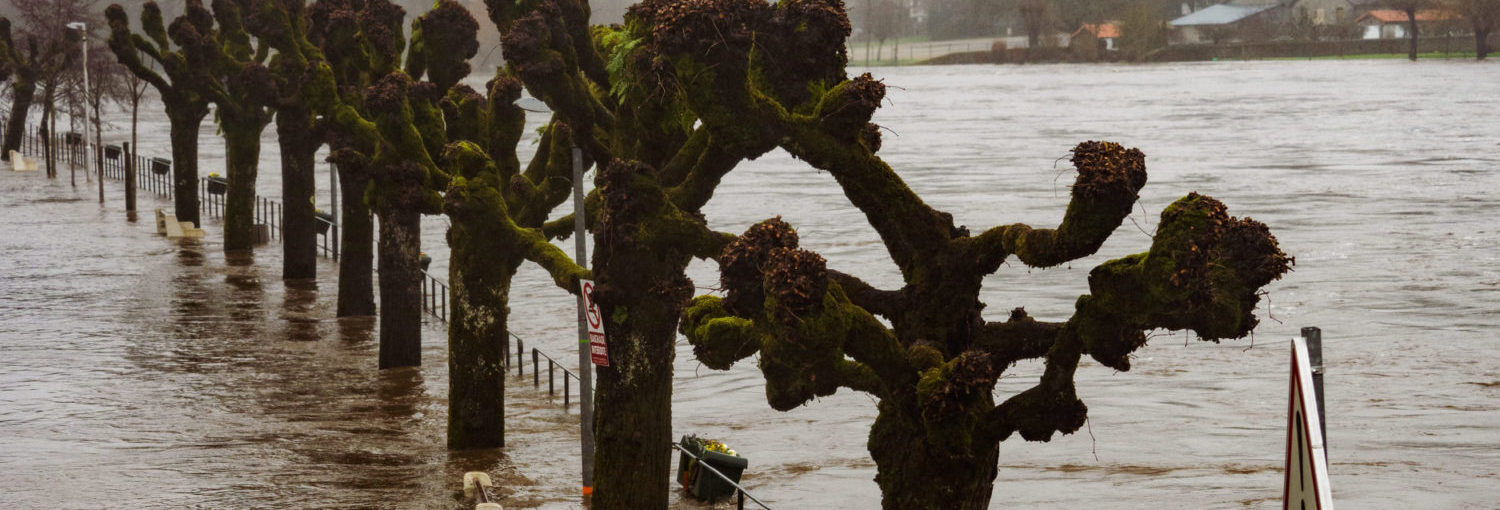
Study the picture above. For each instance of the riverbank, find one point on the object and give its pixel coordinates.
(1433, 47)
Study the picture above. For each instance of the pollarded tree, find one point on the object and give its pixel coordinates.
(336, 28)
(661, 104)
(496, 210)
(397, 118)
(170, 73)
(935, 439)
(228, 70)
(302, 86)
(30, 65)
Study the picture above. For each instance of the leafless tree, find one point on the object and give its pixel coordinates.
(1483, 16)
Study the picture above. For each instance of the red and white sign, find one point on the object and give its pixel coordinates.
(1306, 483)
(597, 350)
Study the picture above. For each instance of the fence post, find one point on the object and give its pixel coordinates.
(536, 375)
(551, 373)
(520, 358)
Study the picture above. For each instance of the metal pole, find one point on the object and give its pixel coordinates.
(1314, 338)
(83, 36)
(333, 193)
(585, 365)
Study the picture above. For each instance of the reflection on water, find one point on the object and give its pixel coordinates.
(169, 375)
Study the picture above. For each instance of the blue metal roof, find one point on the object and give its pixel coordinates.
(1221, 14)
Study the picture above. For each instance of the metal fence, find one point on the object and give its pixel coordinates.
(154, 175)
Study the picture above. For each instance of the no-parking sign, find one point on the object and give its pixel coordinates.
(597, 351)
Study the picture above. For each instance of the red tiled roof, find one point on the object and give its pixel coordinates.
(1395, 16)
(1102, 31)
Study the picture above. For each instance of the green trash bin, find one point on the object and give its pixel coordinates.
(700, 483)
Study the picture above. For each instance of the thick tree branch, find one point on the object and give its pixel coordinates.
(1018, 338)
(1109, 176)
(906, 224)
(880, 302)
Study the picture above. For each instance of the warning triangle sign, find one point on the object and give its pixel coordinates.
(1306, 484)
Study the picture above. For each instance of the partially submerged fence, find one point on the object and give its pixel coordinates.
(154, 175)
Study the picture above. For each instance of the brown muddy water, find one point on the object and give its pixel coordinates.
(139, 373)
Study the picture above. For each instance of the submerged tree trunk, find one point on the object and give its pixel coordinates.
(184, 133)
(641, 292)
(906, 464)
(477, 337)
(299, 235)
(242, 143)
(400, 288)
(23, 92)
(356, 245)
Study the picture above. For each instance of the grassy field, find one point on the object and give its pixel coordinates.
(1373, 56)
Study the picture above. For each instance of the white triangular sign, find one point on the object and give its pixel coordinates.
(1306, 483)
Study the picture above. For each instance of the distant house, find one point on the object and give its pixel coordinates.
(1227, 22)
(1326, 12)
(1108, 35)
(1391, 23)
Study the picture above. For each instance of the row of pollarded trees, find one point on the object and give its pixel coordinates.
(667, 104)
(41, 61)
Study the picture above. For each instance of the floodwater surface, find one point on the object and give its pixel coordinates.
(143, 373)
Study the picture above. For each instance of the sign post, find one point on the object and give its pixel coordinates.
(585, 301)
(1306, 484)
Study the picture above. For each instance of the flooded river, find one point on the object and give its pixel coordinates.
(138, 373)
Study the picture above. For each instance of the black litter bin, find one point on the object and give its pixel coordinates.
(160, 166)
(112, 151)
(217, 185)
(324, 220)
(699, 482)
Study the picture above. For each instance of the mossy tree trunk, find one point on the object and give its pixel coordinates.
(299, 146)
(478, 338)
(183, 130)
(641, 291)
(225, 66)
(242, 157)
(173, 78)
(400, 288)
(907, 463)
(356, 245)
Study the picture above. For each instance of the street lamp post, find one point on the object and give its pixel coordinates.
(83, 38)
